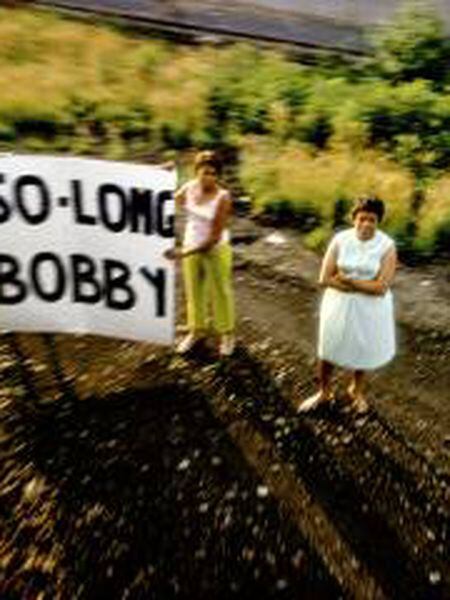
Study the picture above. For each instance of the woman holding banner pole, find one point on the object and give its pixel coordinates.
(207, 256)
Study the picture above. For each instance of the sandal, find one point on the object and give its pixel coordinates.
(188, 343)
(314, 402)
(227, 345)
(359, 403)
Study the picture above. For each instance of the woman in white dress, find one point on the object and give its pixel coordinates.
(357, 330)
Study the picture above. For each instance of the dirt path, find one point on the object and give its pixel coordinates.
(128, 471)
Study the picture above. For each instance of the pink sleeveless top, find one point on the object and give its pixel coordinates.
(200, 218)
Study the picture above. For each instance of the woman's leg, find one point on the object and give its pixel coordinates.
(325, 372)
(195, 285)
(220, 270)
(325, 393)
(356, 390)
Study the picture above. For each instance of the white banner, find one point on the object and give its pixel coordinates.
(81, 247)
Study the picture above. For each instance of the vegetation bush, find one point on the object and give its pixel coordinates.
(433, 230)
(307, 139)
(414, 46)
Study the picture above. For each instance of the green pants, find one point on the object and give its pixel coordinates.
(207, 281)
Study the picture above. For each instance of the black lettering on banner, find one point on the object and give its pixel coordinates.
(140, 208)
(39, 280)
(116, 277)
(8, 277)
(110, 197)
(86, 289)
(165, 226)
(21, 185)
(158, 280)
(80, 217)
(5, 210)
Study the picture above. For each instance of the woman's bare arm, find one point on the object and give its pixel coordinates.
(180, 196)
(383, 281)
(329, 271)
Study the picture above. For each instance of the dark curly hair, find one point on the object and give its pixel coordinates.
(369, 204)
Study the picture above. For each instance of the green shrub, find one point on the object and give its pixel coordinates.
(308, 140)
(27, 120)
(175, 136)
(312, 190)
(245, 85)
(433, 227)
(318, 239)
(7, 133)
(147, 58)
(413, 46)
(315, 129)
(342, 208)
(409, 121)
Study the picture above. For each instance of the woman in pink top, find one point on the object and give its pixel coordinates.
(207, 255)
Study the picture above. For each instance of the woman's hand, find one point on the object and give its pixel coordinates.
(371, 287)
(341, 283)
(169, 165)
(344, 279)
(347, 283)
(329, 273)
(335, 282)
(173, 254)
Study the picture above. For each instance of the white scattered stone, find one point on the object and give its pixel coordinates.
(282, 584)
(262, 491)
(33, 489)
(275, 238)
(230, 494)
(184, 465)
(435, 577)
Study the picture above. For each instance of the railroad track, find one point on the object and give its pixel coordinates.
(303, 34)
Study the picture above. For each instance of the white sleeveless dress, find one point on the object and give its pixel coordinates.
(357, 331)
(200, 218)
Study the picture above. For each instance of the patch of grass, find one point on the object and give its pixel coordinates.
(433, 231)
(308, 140)
(318, 189)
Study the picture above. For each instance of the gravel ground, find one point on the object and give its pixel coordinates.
(128, 472)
